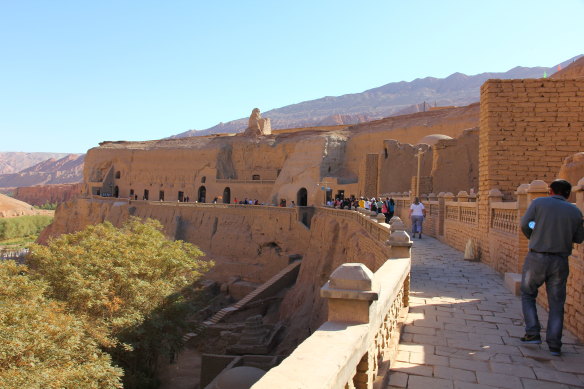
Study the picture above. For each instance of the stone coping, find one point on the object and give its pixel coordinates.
(461, 204)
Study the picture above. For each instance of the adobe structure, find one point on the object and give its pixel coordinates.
(487, 154)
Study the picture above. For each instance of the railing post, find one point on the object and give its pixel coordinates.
(522, 241)
(537, 188)
(351, 292)
(495, 196)
(399, 240)
(441, 213)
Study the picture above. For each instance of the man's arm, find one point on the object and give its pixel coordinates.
(529, 216)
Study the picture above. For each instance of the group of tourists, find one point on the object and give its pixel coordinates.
(378, 205)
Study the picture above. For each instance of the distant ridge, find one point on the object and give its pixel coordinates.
(65, 170)
(396, 98)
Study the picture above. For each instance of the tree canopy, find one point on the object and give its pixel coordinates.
(118, 290)
(42, 346)
(115, 277)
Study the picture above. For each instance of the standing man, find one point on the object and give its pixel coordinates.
(552, 225)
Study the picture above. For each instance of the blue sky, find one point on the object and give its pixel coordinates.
(74, 73)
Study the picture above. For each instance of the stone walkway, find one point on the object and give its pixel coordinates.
(463, 331)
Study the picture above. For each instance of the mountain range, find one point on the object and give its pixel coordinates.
(54, 170)
(396, 98)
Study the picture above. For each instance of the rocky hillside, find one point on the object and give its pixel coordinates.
(575, 70)
(392, 99)
(10, 207)
(65, 170)
(11, 162)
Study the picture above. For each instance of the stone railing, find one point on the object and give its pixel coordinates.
(373, 224)
(461, 212)
(235, 181)
(357, 343)
(504, 217)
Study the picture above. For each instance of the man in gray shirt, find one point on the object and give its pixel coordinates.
(552, 225)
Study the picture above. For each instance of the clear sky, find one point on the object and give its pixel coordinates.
(74, 73)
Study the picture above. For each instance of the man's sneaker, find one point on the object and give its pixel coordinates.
(555, 351)
(531, 339)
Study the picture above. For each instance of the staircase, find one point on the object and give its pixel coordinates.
(223, 313)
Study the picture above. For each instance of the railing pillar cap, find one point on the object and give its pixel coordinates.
(462, 193)
(441, 194)
(522, 189)
(580, 185)
(495, 193)
(351, 281)
(537, 186)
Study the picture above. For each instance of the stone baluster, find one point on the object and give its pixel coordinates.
(399, 240)
(351, 293)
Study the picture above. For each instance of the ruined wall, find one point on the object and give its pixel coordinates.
(401, 164)
(455, 164)
(528, 127)
(370, 137)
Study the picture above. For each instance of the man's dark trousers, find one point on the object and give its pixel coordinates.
(553, 270)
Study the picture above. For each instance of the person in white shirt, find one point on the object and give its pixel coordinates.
(417, 215)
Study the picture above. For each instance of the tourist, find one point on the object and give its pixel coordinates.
(552, 225)
(417, 214)
(379, 205)
(373, 205)
(385, 209)
(391, 208)
(292, 204)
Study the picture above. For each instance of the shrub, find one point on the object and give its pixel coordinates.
(41, 346)
(48, 206)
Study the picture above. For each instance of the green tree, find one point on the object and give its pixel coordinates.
(41, 346)
(18, 227)
(126, 283)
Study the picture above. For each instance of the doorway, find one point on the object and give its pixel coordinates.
(227, 195)
(302, 197)
(202, 194)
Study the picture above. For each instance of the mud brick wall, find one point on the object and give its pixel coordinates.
(527, 128)
(503, 252)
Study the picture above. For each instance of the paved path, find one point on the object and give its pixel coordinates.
(463, 331)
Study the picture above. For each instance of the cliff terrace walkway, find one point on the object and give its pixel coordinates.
(463, 328)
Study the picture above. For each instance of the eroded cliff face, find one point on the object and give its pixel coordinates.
(42, 194)
(266, 168)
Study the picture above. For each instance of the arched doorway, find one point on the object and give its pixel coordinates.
(302, 197)
(116, 192)
(227, 195)
(202, 197)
